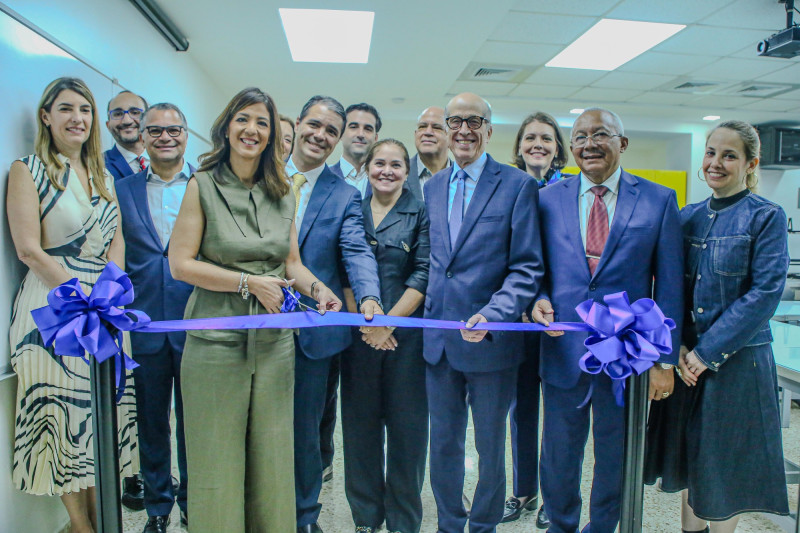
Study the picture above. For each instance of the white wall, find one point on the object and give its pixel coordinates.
(119, 44)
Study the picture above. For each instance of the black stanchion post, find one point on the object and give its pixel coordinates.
(106, 450)
(633, 466)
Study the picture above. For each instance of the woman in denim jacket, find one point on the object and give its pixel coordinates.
(718, 439)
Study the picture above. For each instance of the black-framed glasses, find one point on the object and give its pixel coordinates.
(118, 113)
(156, 131)
(474, 122)
(601, 137)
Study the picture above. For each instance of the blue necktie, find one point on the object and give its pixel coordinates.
(457, 211)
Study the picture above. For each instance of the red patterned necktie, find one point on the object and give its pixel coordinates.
(142, 164)
(596, 228)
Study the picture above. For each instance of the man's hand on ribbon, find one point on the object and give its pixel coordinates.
(543, 314)
(268, 291)
(477, 335)
(370, 308)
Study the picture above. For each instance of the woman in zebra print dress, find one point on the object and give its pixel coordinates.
(63, 219)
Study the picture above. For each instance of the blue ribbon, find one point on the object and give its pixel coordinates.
(78, 324)
(623, 337)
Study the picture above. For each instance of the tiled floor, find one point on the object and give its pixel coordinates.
(661, 510)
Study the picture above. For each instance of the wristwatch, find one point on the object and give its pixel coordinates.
(666, 366)
(373, 298)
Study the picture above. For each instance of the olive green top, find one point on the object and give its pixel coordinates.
(245, 231)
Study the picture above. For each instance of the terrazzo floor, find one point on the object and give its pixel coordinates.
(661, 510)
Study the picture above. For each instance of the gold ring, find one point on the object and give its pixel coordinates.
(664, 394)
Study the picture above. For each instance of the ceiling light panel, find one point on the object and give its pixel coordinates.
(611, 43)
(328, 36)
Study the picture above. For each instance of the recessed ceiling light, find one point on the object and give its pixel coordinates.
(711, 117)
(327, 35)
(576, 111)
(612, 42)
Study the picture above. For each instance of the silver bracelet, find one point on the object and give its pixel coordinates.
(241, 281)
(245, 289)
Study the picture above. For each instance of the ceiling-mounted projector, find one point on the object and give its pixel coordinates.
(785, 43)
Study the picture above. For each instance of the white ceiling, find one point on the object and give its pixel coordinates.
(421, 50)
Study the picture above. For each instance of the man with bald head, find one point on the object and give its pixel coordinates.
(430, 138)
(603, 231)
(486, 265)
(127, 157)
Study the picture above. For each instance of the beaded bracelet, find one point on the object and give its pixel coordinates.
(245, 290)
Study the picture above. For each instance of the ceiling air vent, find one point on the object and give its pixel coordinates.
(759, 90)
(695, 87)
(495, 72)
(484, 72)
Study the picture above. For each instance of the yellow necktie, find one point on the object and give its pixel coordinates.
(298, 180)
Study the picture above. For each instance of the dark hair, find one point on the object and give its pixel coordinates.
(751, 142)
(125, 91)
(284, 118)
(163, 106)
(560, 159)
(394, 142)
(270, 167)
(367, 109)
(332, 103)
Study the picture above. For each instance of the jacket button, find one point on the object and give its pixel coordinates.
(699, 276)
(449, 274)
(725, 355)
(592, 287)
(705, 246)
(700, 310)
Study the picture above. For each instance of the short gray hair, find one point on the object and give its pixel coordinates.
(614, 118)
(163, 106)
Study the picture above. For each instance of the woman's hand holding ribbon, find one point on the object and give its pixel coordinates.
(326, 299)
(268, 291)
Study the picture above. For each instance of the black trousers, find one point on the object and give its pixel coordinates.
(384, 397)
(328, 424)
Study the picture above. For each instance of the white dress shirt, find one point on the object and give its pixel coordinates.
(305, 190)
(133, 159)
(586, 199)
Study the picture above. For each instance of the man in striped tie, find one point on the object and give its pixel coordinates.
(127, 156)
(603, 231)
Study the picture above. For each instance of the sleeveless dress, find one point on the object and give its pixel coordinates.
(53, 447)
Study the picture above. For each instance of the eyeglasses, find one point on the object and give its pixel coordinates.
(118, 113)
(156, 131)
(601, 137)
(474, 122)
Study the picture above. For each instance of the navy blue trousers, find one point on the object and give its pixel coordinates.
(310, 389)
(489, 395)
(524, 417)
(566, 430)
(155, 378)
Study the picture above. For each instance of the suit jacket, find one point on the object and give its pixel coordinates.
(643, 256)
(332, 236)
(494, 269)
(116, 164)
(412, 182)
(156, 292)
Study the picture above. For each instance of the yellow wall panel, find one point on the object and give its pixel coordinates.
(672, 179)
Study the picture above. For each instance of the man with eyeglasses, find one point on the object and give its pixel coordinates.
(127, 156)
(603, 231)
(149, 202)
(486, 265)
(430, 138)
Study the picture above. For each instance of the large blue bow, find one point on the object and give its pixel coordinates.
(625, 338)
(80, 324)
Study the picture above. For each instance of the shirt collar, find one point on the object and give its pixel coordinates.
(422, 168)
(346, 167)
(183, 174)
(129, 156)
(612, 183)
(473, 170)
(311, 175)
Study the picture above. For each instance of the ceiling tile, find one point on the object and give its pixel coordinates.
(664, 63)
(565, 76)
(766, 15)
(771, 104)
(790, 74)
(528, 90)
(631, 80)
(584, 7)
(736, 69)
(707, 40)
(516, 53)
(589, 95)
(663, 98)
(482, 88)
(715, 101)
(791, 95)
(549, 29)
(674, 11)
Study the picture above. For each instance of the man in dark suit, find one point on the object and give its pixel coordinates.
(331, 237)
(486, 265)
(603, 231)
(127, 156)
(430, 138)
(149, 203)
